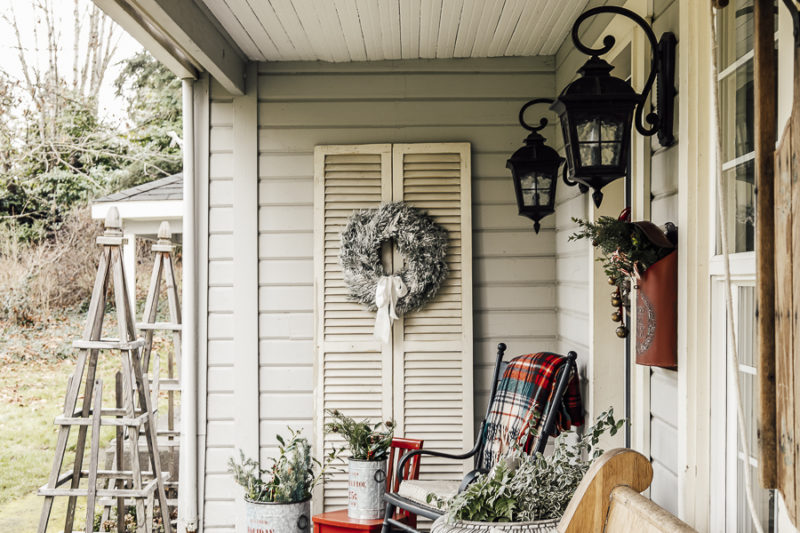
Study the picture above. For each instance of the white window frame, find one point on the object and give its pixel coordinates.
(724, 424)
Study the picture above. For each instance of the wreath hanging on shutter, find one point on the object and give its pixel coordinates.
(423, 245)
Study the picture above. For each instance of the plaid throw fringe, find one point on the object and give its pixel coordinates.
(523, 396)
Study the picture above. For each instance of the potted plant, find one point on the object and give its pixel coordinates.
(369, 448)
(525, 493)
(642, 255)
(277, 498)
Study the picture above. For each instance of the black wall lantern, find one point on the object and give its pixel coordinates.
(597, 109)
(534, 169)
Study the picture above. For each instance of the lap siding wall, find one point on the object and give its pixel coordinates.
(305, 104)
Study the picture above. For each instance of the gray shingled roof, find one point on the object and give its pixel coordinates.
(169, 188)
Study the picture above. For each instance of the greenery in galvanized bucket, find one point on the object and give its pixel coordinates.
(290, 478)
(366, 441)
(526, 488)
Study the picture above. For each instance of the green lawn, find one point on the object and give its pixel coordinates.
(35, 364)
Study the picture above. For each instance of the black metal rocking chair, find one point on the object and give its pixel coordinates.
(394, 500)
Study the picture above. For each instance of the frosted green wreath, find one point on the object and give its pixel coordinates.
(422, 242)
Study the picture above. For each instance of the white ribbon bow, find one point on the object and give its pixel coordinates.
(388, 291)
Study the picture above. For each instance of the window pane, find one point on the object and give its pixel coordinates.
(748, 382)
(739, 195)
(747, 325)
(737, 115)
(735, 30)
(764, 500)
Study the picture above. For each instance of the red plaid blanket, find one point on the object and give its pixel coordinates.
(523, 397)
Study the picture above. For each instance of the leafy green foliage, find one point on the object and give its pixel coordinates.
(525, 488)
(367, 442)
(626, 249)
(290, 478)
(57, 152)
(153, 95)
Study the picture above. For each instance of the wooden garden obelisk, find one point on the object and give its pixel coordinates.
(137, 485)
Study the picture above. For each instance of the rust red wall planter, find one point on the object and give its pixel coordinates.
(657, 314)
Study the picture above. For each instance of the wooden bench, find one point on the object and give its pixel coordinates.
(608, 499)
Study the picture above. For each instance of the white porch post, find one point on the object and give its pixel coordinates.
(245, 264)
(696, 211)
(129, 262)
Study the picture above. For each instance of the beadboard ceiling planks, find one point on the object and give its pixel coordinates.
(365, 30)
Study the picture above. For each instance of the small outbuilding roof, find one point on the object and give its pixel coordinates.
(144, 207)
(169, 188)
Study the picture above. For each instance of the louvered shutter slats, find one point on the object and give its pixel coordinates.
(433, 347)
(423, 378)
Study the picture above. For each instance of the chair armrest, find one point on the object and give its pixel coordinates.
(456, 457)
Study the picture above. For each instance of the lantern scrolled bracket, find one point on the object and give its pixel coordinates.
(542, 121)
(662, 69)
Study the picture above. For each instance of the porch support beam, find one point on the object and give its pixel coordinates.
(183, 36)
(765, 64)
(149, 36)
(695, 216)
(245, 265)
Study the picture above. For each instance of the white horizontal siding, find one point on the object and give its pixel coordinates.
(514, 269)
(475, 101)
(219, 487)
(664, 383)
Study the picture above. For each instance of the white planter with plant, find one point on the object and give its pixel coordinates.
(278, 498)
(525, 493)
(369, 448)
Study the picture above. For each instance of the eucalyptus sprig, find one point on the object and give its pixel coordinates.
(366, 441)
(291, 477)
(526, 488)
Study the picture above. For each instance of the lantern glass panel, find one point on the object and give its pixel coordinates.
(535, 189)
(600, 140)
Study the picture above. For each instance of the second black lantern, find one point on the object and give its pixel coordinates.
(534, 169)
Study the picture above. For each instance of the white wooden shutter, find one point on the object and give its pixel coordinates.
(353, 370)
(433, 393)
(423, 379)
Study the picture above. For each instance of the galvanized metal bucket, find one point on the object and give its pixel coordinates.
(263, 517)
(365, 488)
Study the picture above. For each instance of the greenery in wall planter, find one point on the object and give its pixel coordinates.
(627, 247)
(529, 488)
(628, 250)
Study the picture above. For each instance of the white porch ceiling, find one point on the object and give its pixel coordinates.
(374, 30)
